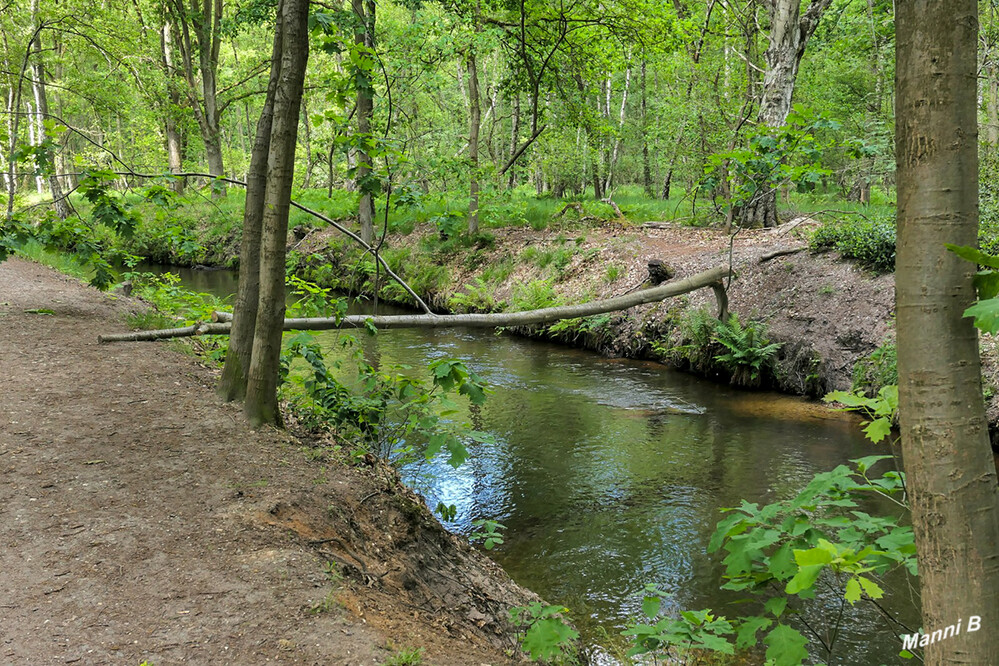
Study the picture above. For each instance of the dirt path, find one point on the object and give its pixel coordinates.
(140, 520)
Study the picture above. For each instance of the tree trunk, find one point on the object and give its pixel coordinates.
(42, 106)
(612, 161)
(474, 122)
(514, 135)
(205, 22)
(307, 181)
(175, 161)
(992, 105)
(261, 403)
(950, 471)
(364, 10)
(232, 385)
(646, 166)
(790, 31)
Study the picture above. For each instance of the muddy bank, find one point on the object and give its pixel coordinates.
(142, 520)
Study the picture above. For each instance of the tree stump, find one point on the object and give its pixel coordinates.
(660, 271)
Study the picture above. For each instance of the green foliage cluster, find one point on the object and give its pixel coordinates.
(868, 241)
(488, 532)
(479, 296)
(545, 633)
(534, 295)
(387, 410)
(743, 352)
(877, 370)
(771, 158)
(782, 554)
(986, 311)
(172, 306)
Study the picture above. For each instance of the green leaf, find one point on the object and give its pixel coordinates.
(786, 646)
(804, 579)
(973, 255)
(782, 565)
(872, 589)
(987, 284)
(749, 628)
(545, 638)
(852, 591)
(878, 429)
(776, 605)
(986, 314)
(650, 606)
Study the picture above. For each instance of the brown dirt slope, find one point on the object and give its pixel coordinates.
(141, 520)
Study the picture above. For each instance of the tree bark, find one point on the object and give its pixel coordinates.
(175, 160)
(646, 165)
(474, 123)
(232, 384)
(790, 31)
(612, 159)
(206, 25)
(514, 136)
(950, 471)
(261, 405)
(42, 106)
(364, 10)
(307, 144)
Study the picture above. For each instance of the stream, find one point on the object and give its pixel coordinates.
(609, 474)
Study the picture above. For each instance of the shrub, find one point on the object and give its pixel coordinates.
(870, 242)
(748, 351)
(709, 346)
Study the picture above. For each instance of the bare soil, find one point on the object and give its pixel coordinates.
(141, 520)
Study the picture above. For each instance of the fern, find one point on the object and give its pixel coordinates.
(748, 349)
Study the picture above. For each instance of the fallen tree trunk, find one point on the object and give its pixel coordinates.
(711, 278)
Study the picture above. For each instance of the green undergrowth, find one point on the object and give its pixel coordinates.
(731, 349)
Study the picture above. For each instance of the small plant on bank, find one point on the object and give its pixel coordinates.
(477, 297)
(546, 635)
(488, 532)
(534, 295)
(872, 373)
(406, 657)
(672, 638)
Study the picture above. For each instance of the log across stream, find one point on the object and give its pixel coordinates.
(609, 474)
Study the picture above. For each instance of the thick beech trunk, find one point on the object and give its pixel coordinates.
(713, 278)
(232, 385)
(950, 471)
(261, 403)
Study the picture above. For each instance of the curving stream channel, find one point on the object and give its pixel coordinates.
(608, 474)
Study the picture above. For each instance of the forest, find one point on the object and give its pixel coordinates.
(760, 197)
